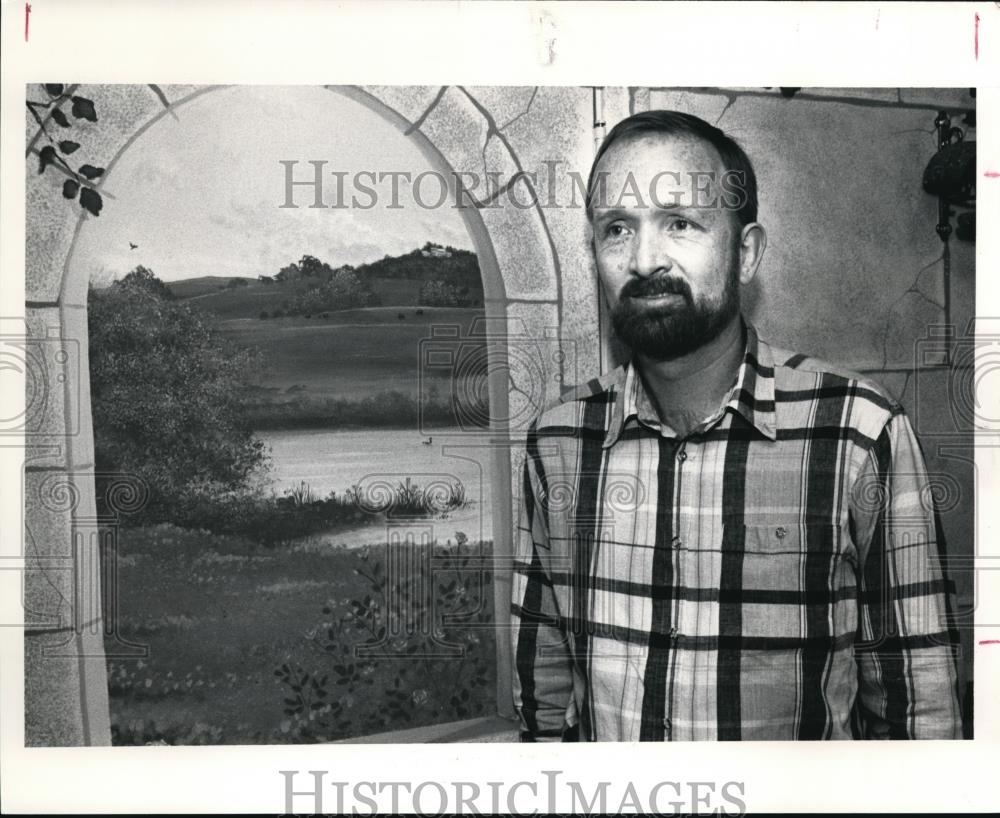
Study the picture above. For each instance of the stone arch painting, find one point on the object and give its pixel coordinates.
(478, 132)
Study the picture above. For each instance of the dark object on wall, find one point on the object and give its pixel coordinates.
(788, 93)
(951, 175)
(966, 228)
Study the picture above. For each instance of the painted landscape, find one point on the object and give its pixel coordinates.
(269, 589)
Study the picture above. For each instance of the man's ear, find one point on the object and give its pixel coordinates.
(753, 241)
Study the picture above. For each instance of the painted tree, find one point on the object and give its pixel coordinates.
(166, 392)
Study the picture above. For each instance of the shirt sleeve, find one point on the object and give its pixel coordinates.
(907, 645)
(543, 675)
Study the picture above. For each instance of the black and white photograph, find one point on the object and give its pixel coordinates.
(485, 413)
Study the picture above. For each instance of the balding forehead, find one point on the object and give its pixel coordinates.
(658, 170)
(661, 152)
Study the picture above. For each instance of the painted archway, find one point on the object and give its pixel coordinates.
(66, 699)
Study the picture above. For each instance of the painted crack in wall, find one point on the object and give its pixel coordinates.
(527, 109)
(730, 101)
(427, 111)
(913, 289)
(495, 131)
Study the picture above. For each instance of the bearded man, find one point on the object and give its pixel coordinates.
(721, 540)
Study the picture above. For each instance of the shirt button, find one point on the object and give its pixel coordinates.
(666, 723)
(673, 634)
(682, 455)
(780, 532)
(677, 544)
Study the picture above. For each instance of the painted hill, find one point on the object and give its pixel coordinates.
(428, 276)
(203, 285)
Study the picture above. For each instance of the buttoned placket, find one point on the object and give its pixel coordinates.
(677, 546)
(684, 457)
(685, 452)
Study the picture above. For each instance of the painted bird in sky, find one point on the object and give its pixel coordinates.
(133, 246)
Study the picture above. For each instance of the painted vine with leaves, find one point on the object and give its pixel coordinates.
(78, 185)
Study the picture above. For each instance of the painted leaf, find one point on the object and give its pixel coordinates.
(54, 89)
(90, 172)
(60, 118)
(70, 188)
(91, 200)
(46, 156)
(67, 146)
(83, 108)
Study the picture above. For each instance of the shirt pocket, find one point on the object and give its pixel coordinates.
(786, 578)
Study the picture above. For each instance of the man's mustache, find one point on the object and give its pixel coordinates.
(661, 285)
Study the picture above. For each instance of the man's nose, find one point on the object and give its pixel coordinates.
(649, 255)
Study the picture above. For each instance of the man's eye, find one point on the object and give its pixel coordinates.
(680, 225)
(616, 230)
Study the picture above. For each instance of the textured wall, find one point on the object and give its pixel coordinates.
(853, 268)
(853, 273)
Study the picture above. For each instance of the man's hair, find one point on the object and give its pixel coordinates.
(675, 123)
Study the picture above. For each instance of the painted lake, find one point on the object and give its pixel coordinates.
(329, 460)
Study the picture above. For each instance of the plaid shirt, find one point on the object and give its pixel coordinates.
(773, 575)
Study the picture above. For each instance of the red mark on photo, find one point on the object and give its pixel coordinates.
(991, 174)
(27, 18)
(989, 641)
(977, 35)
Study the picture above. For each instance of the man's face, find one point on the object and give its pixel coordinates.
(669, 258)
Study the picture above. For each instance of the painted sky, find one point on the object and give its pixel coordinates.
(200, 195)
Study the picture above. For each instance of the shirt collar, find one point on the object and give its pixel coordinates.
(752, 396)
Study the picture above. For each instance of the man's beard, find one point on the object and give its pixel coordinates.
(668, 332)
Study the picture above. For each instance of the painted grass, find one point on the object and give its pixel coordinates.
(219, 616)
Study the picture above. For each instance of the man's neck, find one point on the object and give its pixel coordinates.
(688, 389)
